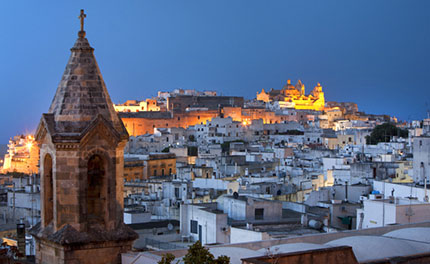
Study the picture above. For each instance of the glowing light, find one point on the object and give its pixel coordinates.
(29, 145)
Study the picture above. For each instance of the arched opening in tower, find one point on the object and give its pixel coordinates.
(48, 185)
(95, 180)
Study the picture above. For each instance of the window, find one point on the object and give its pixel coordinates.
(259, 214)
(193, 226)
(49, 190)
(421, 143)
(176, 192)
(155, 172)
(95, 188)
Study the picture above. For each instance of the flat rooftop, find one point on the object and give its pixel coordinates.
(368, 245)
(399, 201)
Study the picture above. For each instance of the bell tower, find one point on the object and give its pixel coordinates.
(82, 142)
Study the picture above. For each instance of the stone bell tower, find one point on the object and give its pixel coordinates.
(82, 143)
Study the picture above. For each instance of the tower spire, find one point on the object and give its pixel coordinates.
(81, 17)
(82, 142)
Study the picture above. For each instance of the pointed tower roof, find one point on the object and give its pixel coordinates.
(81, 96)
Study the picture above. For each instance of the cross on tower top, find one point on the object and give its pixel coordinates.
(82, 16)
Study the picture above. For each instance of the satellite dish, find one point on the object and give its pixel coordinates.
(170, 227)
(235, 195)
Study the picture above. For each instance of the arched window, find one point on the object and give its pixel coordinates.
(48, 190)
(95, 186)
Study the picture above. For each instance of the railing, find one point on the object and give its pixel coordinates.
(160, 245)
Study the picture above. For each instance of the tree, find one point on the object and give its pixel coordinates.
(167, 259)
(384, 132)
(166, 150)
(197, 254)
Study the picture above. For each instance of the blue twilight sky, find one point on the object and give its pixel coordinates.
(373, 52)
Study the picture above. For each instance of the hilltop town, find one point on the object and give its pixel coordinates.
(223, 170)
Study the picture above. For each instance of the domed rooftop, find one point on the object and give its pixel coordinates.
(421, 234)
(235, 253)
(374, 247)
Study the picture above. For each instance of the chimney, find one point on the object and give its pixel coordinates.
(20, 231)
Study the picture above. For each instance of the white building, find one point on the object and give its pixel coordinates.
(204, 222)
(388, 189)
(176, 191)
(382, 212)
(250, 209)
(136, 217)
(421, 163)
(23, 203)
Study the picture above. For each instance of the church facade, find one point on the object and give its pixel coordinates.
(293, 96)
